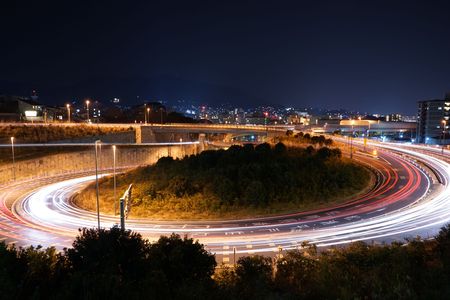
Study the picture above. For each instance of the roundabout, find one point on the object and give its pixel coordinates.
(405, 202)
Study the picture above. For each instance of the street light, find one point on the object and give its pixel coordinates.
(145, 113)
(68, 113)
(96, 182)
(114, 174)
(351, 147)
(87, 109)
(13, 158)
(443, 135)
(148, 114)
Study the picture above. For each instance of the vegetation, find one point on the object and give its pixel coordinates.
(301, 139)
(48, 133)
(44, 134)
(236, 182)
(116, 264)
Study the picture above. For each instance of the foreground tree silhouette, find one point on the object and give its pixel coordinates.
(113, 264)
(183, 264)
(103, 263)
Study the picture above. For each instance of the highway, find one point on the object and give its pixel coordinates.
(406, 201)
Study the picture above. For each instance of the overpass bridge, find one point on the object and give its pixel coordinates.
(150, 133)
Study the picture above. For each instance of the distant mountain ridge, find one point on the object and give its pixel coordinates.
(128, 89)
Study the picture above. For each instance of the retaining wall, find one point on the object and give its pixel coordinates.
(73, 162)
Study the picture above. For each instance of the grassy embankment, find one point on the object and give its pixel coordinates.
(43, 134)
(239, 182)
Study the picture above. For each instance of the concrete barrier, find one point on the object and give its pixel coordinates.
(73, 162)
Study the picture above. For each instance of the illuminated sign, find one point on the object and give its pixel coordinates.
(30, 113)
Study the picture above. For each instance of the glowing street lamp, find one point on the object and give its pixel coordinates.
(13, 158)
(145, 113)
(96, 181)
(443, 134)
(87, 109)
(68, 113)
(114, 175)
(148, 114)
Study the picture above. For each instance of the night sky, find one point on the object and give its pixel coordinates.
(374, 56)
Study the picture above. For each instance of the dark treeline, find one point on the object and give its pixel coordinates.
(116, 264)
(248, 176)
(306, 138)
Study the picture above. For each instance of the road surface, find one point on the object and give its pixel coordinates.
(408, 200)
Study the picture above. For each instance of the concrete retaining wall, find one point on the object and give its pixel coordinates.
(56, 164)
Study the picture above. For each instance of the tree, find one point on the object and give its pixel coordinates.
(297, 274)
(328, 142)
(102, 263)
(185, 265)
(443, 247)
(254, 276)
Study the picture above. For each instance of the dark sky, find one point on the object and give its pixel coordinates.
(375, 56)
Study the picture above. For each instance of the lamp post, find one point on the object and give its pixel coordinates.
(443, 135)
(351, 140)
(96, 182)
(148, 114)
(68, 113)
(87, 110)
(351, 147)
(145, 113)
(114, 176)
(13, 158)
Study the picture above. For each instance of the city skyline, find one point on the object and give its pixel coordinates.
(379, 57)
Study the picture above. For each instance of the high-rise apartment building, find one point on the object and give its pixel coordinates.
(433, 121)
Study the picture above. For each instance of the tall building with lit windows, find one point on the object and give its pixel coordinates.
(433, 121)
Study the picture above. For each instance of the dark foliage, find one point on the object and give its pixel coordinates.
(245, 176)
(115, 264)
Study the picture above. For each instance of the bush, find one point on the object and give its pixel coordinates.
(242, 177)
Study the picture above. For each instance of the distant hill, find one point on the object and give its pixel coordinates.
(151, 88)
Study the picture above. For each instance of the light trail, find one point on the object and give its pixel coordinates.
(400, 206)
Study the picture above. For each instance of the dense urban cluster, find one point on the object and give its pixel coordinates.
(29, 109)
(116, 264)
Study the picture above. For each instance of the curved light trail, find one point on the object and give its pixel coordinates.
(405, 202)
